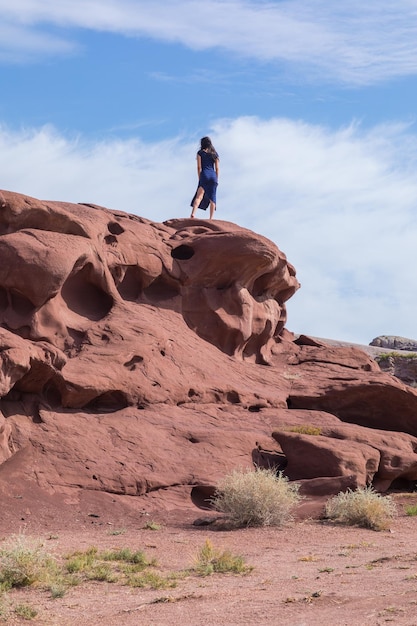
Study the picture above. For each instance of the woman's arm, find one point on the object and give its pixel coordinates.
(217, 168)
(198, 166)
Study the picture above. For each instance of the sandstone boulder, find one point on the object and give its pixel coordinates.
(394, 342)
(143, 361)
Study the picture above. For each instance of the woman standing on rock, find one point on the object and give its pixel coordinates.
(208, 177)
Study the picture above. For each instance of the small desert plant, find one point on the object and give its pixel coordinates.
(384, 356)
(102, 572)
(363, 507)
(305, 429)
(122, 565)
(411, 510)
(26, 611)
(4, 606)
(24, 562)
(152, 526)
(81, 561)
(57, 590)
(117, 531)
(126, 555)
(209, 561)
(256, 498)
(151, 580)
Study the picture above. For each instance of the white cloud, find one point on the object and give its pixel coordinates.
(21, 44)
(341, 205)
(354, 42)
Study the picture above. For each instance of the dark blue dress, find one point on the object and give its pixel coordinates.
(207, 180)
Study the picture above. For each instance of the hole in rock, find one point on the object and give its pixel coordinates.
(78, 337)
(21, 304)
(109, 239)
(402, 484)
(182, 253)
(22, 331)
(261, 285)
(201, 496)
(192, 439)
(131, 364)
(36, 417)
(130, 287)
(233, 397)
(4, 301)
(269, 459)
(109, 401)
(84, 297)
(115, 229)
(161, 290)
(52, 395)
(255, 408)
(9, 402)
(192, 393)
(162, 352)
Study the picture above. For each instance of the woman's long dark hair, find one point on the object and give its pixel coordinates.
(207, 145)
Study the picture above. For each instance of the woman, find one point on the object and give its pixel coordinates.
(208, 177)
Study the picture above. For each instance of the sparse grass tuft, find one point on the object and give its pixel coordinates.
(256, 498)
(127, 556)
(4, 606)
(384, 356)
(117, 531)
(305, 429)
(411, 510)
(57, 591)
(102, 572)
(123, 566)
(363, 507)
(81, 561)
(26, 611)
(152, 526)
(151, 580)
(24, 562)
(210, 561)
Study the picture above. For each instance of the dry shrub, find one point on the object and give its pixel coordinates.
(257, 497)
(363, 507)
(24, 562)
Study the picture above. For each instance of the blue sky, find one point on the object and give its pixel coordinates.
(310, 103)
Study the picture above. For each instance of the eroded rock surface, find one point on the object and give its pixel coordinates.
(147, 360)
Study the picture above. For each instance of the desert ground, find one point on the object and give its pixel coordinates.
(310, 572)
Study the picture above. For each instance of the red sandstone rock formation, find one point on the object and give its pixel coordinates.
(146, 359)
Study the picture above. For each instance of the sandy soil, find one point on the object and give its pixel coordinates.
(309, 573)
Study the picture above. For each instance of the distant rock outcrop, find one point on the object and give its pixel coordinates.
(398, 357)
(394, 343)
(148, 360)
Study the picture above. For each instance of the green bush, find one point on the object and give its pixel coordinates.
(257, 497)
(363, 507)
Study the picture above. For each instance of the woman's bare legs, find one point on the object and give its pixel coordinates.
(212, 209)
(198, 199)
